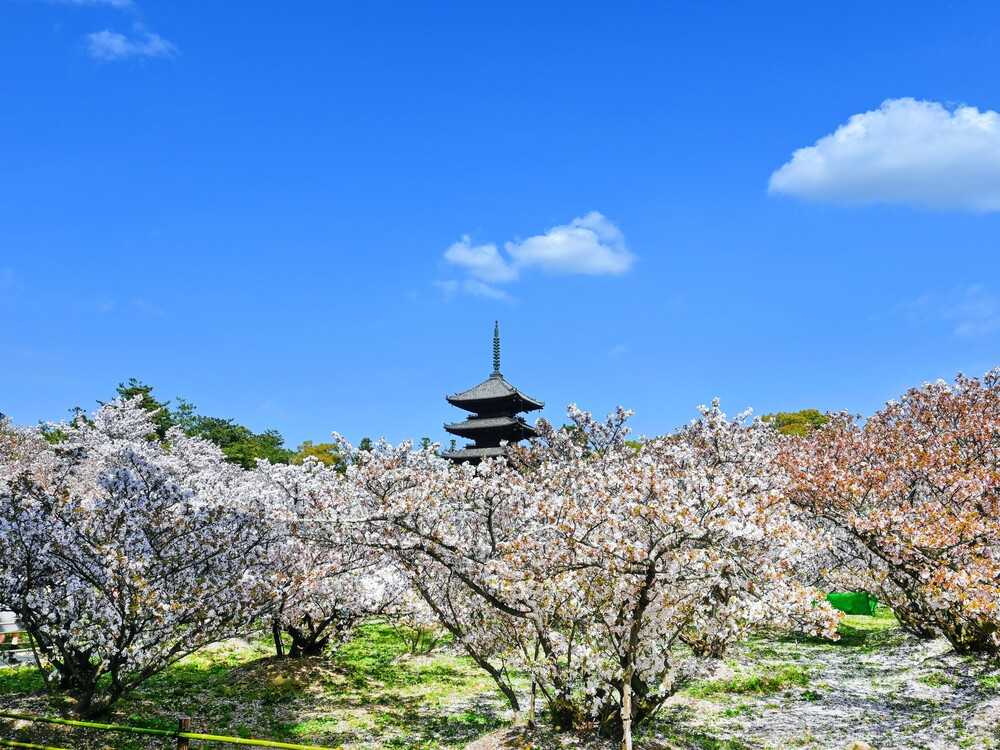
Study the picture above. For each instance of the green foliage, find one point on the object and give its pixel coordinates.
(578, 436)
(326, 453)
(799, 423)
(239, 443)
(162, 416)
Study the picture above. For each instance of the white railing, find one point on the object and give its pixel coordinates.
(13, 640)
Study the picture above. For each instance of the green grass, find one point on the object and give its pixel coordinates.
(20, 680)
(990, 682)
(744, 709)
(672, 729)
(370, 694)
(937, 679)
(856, 631)
(759, 683)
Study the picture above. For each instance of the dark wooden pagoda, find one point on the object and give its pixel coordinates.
(495, 406)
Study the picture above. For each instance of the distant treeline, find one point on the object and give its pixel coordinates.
(243, 446)
(239, 443)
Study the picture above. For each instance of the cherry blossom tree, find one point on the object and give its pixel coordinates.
(913, 496)
(687, 538)
(415, 622)
(123, 553)
(587, 560)
(441, 524)
(324, 584)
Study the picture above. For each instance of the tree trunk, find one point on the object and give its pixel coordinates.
(307, 644)
(565, 714)
(502, 684)
(914, 620)
(702, 646)
(311, 638)
(975, 637)
(531, 705)
(279, 646)
(627, 710)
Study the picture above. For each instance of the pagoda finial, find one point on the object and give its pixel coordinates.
(496, 347)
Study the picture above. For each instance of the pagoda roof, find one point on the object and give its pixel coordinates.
(495, 390)
(474, 454)
(515, 426)
(488, 423)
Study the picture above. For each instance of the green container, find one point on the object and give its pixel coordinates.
(853, 602)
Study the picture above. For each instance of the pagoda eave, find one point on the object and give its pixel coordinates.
(494, 395)
(513, 403)
(475, 455)
(493, 434)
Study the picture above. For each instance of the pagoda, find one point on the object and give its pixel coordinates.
(495, 405)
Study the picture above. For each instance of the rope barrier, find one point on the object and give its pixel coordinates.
(15, 743)
(176, 734)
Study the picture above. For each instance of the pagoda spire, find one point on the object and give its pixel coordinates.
(495, 408)
(496, 347)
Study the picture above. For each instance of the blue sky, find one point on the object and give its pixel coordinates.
(298, 215)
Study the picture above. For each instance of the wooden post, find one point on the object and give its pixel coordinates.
(184, 725)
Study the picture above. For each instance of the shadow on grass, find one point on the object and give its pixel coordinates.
(373, 656)
(856, 631)
(673, 729)
(370, 693)
(393, 721)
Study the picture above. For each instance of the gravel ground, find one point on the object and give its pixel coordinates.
(904, 694)
(890, 692)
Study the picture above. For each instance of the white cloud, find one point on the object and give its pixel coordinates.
(590, 245)
(587, 245)
(483, 262)
(907, 152)
(975, 312)
(971, 311)
(481, 289)
(450, 287)
(110, 45)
